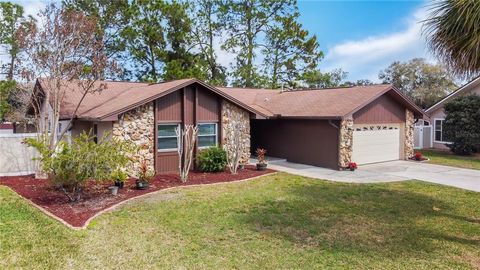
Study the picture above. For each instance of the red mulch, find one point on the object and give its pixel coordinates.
(96, 198)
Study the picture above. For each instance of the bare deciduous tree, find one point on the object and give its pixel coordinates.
(186, 140)
(64, 50)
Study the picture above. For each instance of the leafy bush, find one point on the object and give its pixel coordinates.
(119, 176)
(69, 166)
(462, 125)
(212, 159)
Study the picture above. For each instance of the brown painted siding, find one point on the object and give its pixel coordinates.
(313, 142)
(179, 107)
(208, 106)
(170, 107)
(81, 126)
(189, 107)
(384, 109)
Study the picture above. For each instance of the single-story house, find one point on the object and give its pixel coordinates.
(435, 115)
(324, 127)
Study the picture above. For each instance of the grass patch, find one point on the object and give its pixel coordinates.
(450, 159)
(278, 221)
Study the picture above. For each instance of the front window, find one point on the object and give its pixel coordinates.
(439, 130)
(207, 135)
(167, 139)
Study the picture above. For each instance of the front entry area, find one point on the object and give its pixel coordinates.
(376, 143)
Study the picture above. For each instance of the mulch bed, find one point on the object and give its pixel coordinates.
(96, 198)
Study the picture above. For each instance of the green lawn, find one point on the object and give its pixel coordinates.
(278, 221)
(449, 159)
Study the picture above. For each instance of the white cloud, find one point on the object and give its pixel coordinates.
(364, 58)
(31, 7)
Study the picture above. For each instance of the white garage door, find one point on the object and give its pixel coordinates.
(376, 144)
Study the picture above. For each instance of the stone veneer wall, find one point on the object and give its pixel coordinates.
(230, 114)
(137, 126)
(409, 122)
(345, 142)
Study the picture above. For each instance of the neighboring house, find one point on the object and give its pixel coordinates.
(327, 127)
(435, 115)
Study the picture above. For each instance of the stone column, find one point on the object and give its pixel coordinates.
(345, 142)
(231, 114)
(409, 128)
(138, 127)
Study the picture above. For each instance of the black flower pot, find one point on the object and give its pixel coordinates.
(261, 166)
(141, 184)
(119, 184)
(352, 169)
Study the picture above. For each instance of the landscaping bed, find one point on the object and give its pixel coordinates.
(96, 198)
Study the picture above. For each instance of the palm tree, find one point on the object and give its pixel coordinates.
(453, 34)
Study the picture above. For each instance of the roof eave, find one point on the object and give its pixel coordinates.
(416, 110)
(466, 86)
(180, 86)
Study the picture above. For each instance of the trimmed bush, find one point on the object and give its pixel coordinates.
(212, 159)
(462, 125)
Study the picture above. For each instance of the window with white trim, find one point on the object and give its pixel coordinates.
(439, 130)
(167, 139)
(207, 135)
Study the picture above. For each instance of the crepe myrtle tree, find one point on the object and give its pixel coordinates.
(186, 139)
(64, 50)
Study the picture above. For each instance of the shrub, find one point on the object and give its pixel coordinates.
(418, 156)
(119, 176)
(70, 166)
(212, 159)
(462, 126)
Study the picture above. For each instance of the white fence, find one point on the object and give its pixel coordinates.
(16, 157)
(422, 137)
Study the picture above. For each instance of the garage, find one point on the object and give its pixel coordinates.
(373, 144)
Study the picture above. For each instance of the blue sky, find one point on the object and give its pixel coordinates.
(361, 37)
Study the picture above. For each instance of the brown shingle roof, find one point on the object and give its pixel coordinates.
(120, 97)
(332, 103)
(320, 103)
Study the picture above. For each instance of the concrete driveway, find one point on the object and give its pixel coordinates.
(388, 172)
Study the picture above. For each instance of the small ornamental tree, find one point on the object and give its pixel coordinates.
(70, 166)
(63, 49)
(462, 124)
(186, 138)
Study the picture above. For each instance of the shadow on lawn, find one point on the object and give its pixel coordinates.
(355, 218)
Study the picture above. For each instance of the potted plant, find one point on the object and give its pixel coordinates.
(119, 177)
(352, 166)
(261, 160)
(145, 175)
(418, 156)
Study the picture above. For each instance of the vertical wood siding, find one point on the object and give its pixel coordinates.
(384, 109)
(208, 106)
(180, 107)
(169, 107)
